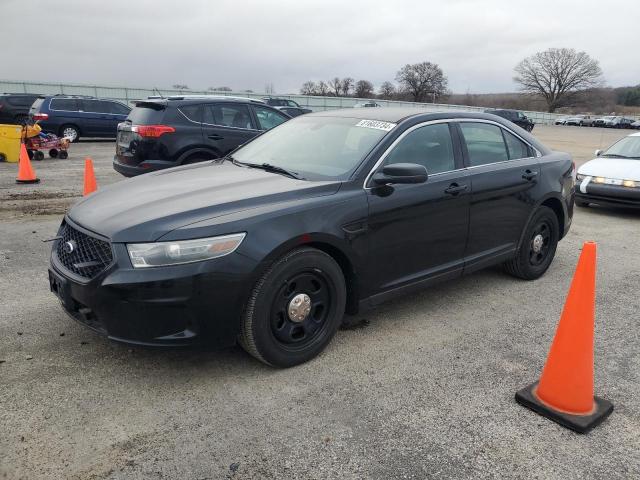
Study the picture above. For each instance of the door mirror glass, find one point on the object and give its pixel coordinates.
(397, 173)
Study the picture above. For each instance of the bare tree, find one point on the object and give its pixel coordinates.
(387, 90)
(558, 74)
(347, 85)
(180, 86)
(364, 89)
(422, 79)
(219, 89)
(323, 88)
(335, 84)
(309, 88)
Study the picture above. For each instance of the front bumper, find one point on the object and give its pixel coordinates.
(608, 195)
(197, 303)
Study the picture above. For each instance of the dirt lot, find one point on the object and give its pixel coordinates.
(424, 388)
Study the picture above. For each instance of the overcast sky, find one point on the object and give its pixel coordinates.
(246, 44)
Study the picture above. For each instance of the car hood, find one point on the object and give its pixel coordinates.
(619, 168)
(144, 208)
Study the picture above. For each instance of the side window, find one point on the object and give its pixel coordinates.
(228, 115)
(192, 112)
(97, 106)
(484, 143)
(516, 147)
(430, 146)
(119, 109)
(268, 118)
(66, 104)
(291, 103)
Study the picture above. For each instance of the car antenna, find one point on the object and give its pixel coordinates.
(156, 89)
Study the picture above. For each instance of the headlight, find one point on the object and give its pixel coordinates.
(631, 183)
(182, 251)
(580, 177)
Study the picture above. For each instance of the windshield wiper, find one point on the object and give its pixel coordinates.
(267, 167)
(616, 155)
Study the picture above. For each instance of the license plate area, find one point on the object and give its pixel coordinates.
(60, 287)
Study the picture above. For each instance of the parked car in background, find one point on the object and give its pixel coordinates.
(369, 104)
(166, 132)
(514, 116)
(613, 177)
(603, 121)
(328, 213)
(294, 111)
(636, 125)
(14, 107)
(580, 120)
(74, 116)
(621, 122)
(561, 121)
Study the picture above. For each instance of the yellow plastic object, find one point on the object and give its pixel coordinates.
(32, 130)
(10, 136)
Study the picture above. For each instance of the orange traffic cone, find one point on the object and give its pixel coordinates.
(90, 185)
(565, 390)
(26, 173)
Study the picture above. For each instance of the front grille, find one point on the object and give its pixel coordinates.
(88, 256)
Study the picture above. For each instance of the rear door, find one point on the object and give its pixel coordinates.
(503, 172)
(226, 126)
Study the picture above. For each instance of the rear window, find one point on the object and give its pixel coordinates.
(66, 104)
(35, 108)
(146, 115)
(20, 100)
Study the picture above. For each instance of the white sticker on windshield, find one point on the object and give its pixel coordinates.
(377, 124)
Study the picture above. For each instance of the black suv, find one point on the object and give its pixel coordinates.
(73, 116)
(166, 132)
(14, 107)
(514, 116)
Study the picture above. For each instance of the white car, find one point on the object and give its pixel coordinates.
(613, 177)
(561, 121)
(369, 104)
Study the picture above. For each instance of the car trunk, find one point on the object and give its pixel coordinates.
(129, 141)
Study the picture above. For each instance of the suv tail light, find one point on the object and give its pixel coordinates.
(40, 116)
(152, 131)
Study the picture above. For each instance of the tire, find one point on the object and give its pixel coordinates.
(63, 155)
(38, 155)
(197, 158)
(53, 153)
(70, 131)
(527, 263)
(582, 204)
(269, 333)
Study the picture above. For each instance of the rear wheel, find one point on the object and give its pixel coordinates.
(38, 155)
(63, 155)
(294, 309)
(71, 132)
(538, 246)
(53, 153)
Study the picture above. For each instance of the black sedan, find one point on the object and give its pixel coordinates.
(328, 213)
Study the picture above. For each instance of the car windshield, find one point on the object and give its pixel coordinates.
(628, 147)
(317, 148)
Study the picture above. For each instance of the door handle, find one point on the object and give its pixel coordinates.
(529, 175)
(455, 189)
(215, 137)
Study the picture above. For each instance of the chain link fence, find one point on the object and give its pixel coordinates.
(127, 94)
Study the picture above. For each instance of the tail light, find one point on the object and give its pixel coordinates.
(152, 131)
(40, 116)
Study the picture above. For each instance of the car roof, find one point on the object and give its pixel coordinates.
(395, 114)
(199, 98)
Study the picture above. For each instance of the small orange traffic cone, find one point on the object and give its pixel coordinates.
(26, 173)
(565, 390)
(90, 184)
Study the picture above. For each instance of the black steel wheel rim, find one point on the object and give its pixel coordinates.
(299, 334)
(538, 252)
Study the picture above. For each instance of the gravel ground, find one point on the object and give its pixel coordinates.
(422, 387)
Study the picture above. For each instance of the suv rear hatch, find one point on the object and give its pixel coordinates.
(138, 136)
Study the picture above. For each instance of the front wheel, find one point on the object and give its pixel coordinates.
(294, 309)
(538, 246)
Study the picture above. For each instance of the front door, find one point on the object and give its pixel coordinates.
(419, 232)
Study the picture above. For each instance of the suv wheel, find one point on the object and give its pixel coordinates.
(294, 309)
(70, 131)
(538, 246)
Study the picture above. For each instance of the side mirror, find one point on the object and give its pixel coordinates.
(598, 153)
(401, 173)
